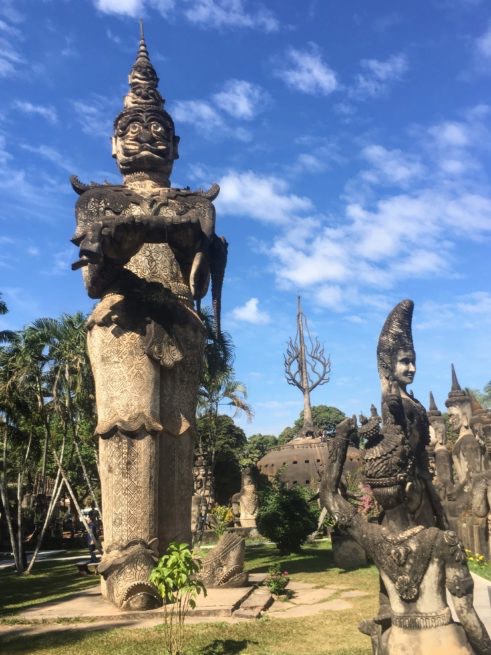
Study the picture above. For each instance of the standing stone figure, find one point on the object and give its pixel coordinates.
(467, 452)
(248, 500)
(443, 481)
(417, 564)
(397, 366)
(147, 251)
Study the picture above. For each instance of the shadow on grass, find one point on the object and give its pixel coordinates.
(49, 581)
(22, 640)
(309, 560)
(226, 647)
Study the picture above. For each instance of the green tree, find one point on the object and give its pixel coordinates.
(324, 417)
(256, 447)
(285, 516)
(218, 389)
(47, 407)
(5, 335)
(220, 435)
(484, 396)
(286, 435)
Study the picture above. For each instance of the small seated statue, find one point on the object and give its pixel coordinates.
(416, 564)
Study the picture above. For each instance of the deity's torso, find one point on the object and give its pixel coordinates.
(187, 216)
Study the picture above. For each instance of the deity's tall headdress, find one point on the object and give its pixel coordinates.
(433, 411)
(395, 335)
(456, 395)
(144, 95)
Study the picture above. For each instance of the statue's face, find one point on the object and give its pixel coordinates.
(144, 142)
(405, 367)
(439, 428)
(455, 418)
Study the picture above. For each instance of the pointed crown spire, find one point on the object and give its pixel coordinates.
(143, 80)
(433, 410)
(456, 395)
(455, 383)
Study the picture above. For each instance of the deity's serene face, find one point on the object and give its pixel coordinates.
(144, 141)
(439, 431)
(405, 367)
(455, 418)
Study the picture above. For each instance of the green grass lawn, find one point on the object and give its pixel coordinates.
(333, 632)
(48, 581)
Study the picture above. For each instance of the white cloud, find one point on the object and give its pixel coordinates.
(96, 115)
(51, 154)
(390, 166)
(212, 14)
(199, 113)
(45, 111)
(483, 45)
(229, 13)
(468, 311)
(377, 75)
(382, 237)
(11, 61)
(238, 99)
(451, 134)
(241, 99)
(265, 198)
(306, 71)
(250, 313)
(134, 8)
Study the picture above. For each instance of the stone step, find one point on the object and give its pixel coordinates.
(255, 604)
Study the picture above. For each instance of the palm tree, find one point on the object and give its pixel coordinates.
(218, 385)
(5, 335)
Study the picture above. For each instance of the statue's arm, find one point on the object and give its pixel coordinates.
(392, 406)
(341, 509)
(460, 584)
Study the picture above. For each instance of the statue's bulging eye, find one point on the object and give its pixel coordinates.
(134, 128)
(156, 127)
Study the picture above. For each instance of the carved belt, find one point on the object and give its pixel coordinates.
(419, 621)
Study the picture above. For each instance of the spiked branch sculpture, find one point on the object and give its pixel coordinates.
(305, 368)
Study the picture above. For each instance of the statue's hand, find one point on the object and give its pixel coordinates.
(199, 277)
(121, 240)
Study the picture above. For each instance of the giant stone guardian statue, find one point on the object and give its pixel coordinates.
(147, 251)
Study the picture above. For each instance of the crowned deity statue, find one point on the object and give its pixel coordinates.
(443, 474)
(417, 564)
(397, 366)
(147, 252)
(468, 450)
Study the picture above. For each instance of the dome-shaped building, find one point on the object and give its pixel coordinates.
(302, 460)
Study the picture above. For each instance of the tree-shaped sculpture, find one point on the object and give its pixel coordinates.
(306, 367)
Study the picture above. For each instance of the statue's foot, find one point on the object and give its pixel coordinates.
(141, 596)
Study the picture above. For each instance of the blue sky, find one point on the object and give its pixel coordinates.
(352, 144)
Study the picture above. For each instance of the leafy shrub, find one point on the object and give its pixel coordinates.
(285, 516)
(221, 518)
(277, 579)
(176, 577)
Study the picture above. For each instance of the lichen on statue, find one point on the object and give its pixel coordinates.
(148, 252)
